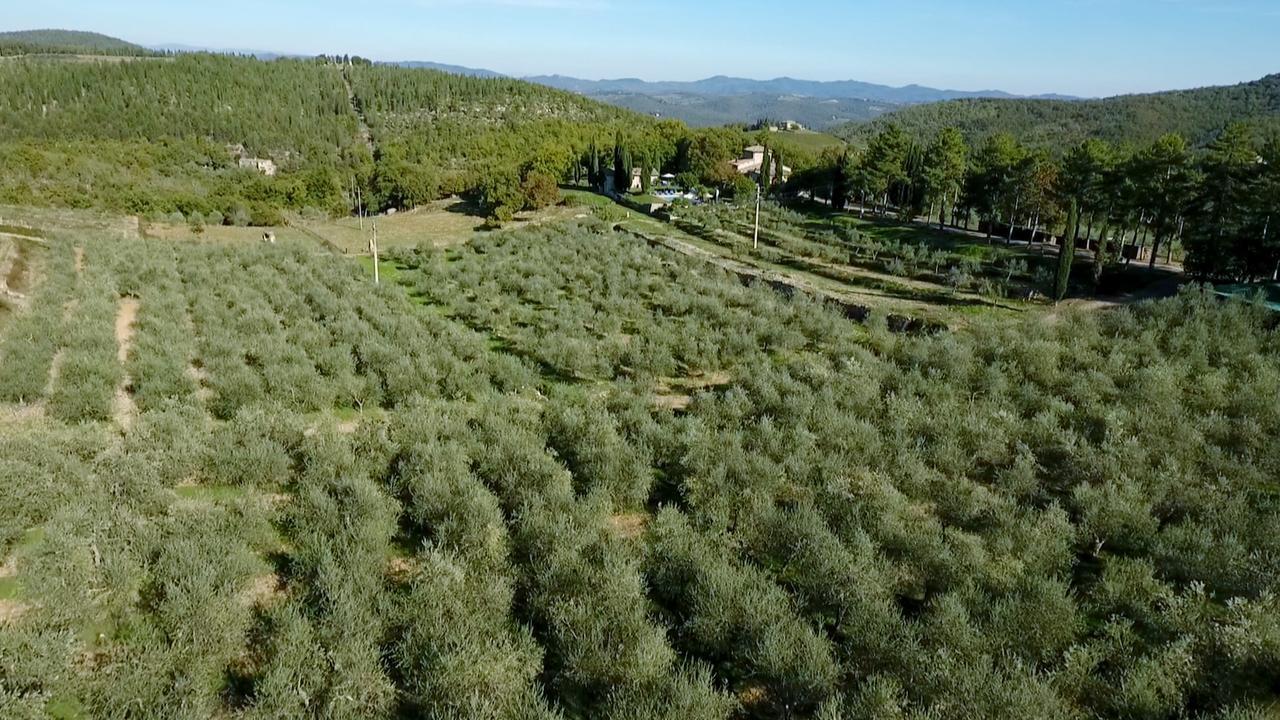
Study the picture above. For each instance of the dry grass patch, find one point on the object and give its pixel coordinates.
(11, 610)
(402, 570)
(677, 393)
(264, 591)
(201, 378)
(19, 414)
(629, 525)
(229, 234)
(442, 223)
(43, 220)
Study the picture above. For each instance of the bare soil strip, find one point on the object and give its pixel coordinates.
(629, 526)
(55, 370)
(10, 611)
(126, 317)
(263, 592)
(14, 270)
(79, 261)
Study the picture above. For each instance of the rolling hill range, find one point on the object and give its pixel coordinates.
(726, 86)
(715, 101)
(1197, 114)
(713, 110)
(725, 100)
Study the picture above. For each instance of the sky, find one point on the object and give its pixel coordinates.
(1078, 47)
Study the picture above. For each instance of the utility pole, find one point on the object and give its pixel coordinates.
(373, 248)
(358, 197)
(756, 240)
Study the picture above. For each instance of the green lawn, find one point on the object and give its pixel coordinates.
(807, 141)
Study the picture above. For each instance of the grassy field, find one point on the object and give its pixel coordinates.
(808, 141)
(60, 220)
(442, 223)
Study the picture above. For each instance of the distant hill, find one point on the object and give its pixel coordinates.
(723, 100)
(722, 86)
(452, 69)
(272, 55)
(66, 42)
(1198, 114)
(714, 110)
(245, 52)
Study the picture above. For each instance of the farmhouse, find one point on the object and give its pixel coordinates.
(262, 165)
(752, 162)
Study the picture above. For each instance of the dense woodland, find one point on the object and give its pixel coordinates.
(156, 136)
(1058, 125)
(586, 478)
(67, 42)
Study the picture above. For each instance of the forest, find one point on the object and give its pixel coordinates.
(1058, 125)
(557, 473)
(67, 42)
(1216, 205)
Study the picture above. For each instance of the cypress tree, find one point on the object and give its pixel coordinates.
(595, 166)
(1067, 253)
(646, 172)
(621, 176)
(766, 171)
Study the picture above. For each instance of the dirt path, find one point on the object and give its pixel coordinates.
(200, 377)
(9, 257)
(55, 371)
(366, 135)
(1164, 289)
(79, 261)
(854, 273)
(849, 303)
(126, 318)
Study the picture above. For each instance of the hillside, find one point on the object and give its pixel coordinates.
(65, 42)
(163, 137)
(1197, 114)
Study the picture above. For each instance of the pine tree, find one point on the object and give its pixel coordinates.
(1067, 253)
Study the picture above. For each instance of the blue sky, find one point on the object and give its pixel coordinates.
(1082, 47)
